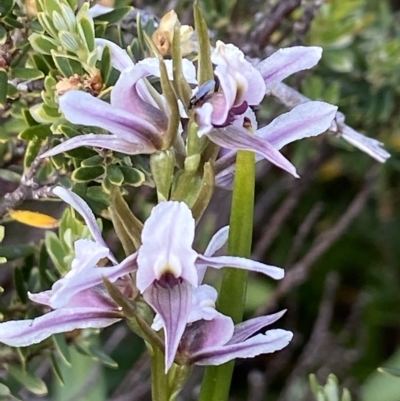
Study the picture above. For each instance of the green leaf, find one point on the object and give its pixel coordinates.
(114, 16)
(59, 22)
(51, 5)
(56, 252)
(105, 65)
(3, 86)
(6, 7)
(56, 369)
(42, 44)
(44, 114)
(9, 175)
(32, 151)
(96, 354)
(69, 41)
(132, 176)
(84, 174)
(20, 287)
(30, 74)
(31, 382)
(4, 390)
(390, 371)
(96, 160)
(114, 174)
(86, 32)
(12, 252)
(3, 35)
(11, 21)
(66, 65)
(38, 131)
(62, 348)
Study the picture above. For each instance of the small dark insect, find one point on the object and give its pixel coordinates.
(202, 92)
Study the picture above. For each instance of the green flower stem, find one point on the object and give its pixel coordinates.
(160, 390)
(231, 299)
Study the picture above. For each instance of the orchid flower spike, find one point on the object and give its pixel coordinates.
(169, 269)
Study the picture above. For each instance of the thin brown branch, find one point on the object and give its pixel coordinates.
(299, 273)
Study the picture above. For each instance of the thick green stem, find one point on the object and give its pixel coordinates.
(159, 379)
(231, 299)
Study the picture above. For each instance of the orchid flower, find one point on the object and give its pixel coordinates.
(169, 270)
(76, 302)
(244, 85)
(305, 120)
(211, 338)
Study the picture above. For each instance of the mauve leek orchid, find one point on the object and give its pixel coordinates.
(168, 275)
(169, 270)
(76, 303)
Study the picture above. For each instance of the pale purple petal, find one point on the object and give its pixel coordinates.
(203, 303)
(369, 146)
(203, 118)
(271, 341)
(21, 333)
(90, 278)
(285, 62)
(305, 120)
(84, 210)
(218, 262)
(82, 108)
(239, 139)
(217, 242)
(120, 59)
(125, 96)
(112, 142)
(167, 240)
(173, 305)
(246, 329)
(87, 253)
(249, 82)
(206, 334)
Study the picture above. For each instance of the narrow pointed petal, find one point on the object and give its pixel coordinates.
(271, 341)
(167, 240)
(217, 242)
(218, 262)
(84, 210)
(120, 59)
(89, 278)
(112, 142)
(305, 120)
(246, 329)
(21, 333)
(239, 139)
(82, 108)
(285, 62)
(370, 146)
(173, 306)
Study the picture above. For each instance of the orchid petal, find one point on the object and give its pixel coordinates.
(125, 96)
(120, 59)
(173, 306)
(21, 333)
(217, 242)
(84, 210)
(218, 262)
(239, 139)
(206, 334)
(285, 62)
(167, 240)
(246, 329)
(370, 146)
(305, 120)
(203, 303)
(271, 341)
(82, 108)
(90, 278)
(112, 142)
